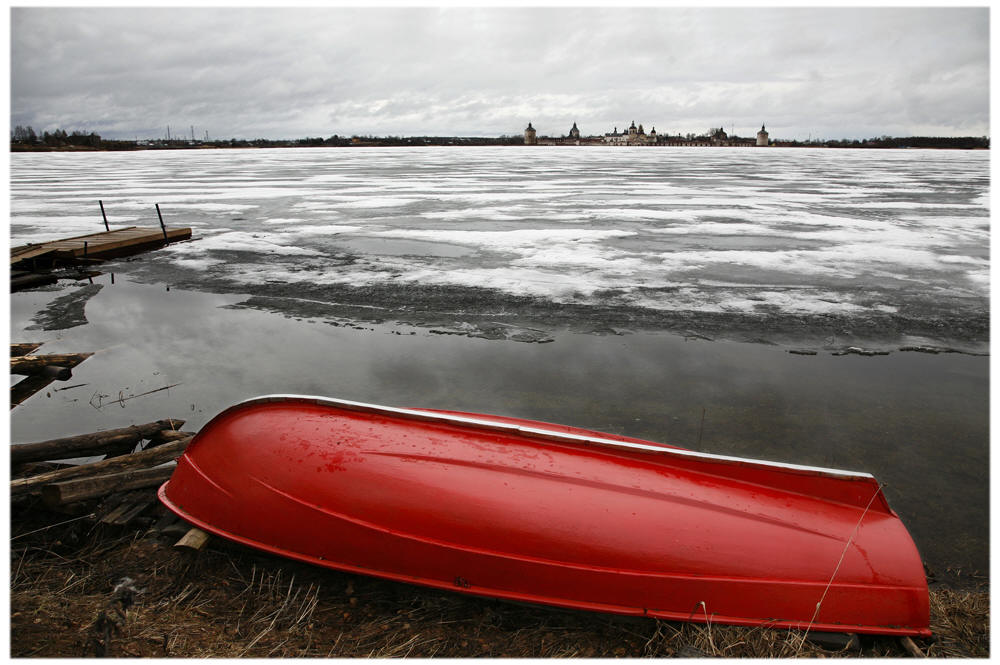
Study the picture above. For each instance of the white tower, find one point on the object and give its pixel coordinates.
(530, 137)
(762, 136)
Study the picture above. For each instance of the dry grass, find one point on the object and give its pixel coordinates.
(961, 622)
(231, 602)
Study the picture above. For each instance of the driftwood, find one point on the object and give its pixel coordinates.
(35, 382)
(167, 436)
(35, 468)
(81, 489)
(56, 372)
(85, 445)
(23, 348)
(26, 280)
(144, 459)
(27, 387)
(33, 364)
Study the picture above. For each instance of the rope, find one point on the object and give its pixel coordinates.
(52, 526)
(843, 554)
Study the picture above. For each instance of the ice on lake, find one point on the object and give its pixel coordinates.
(798, 231)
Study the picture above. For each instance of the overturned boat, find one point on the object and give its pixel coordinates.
(530, 511)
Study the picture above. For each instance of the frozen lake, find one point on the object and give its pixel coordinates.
(791, 231)
(410, 277)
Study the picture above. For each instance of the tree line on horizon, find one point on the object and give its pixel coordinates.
(24, 138)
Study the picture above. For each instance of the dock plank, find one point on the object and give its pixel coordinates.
(103, 244)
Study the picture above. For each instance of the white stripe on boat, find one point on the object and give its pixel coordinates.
(534, 431)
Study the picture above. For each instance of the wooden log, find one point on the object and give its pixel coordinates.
(32, 364)
(81, 489)
(84, 445)
(166, 436)
(27, 387)
(35, 468)
(195, 539)
(158, 439)
(56, 372)
(31, 385)
(144, 459)
(23, 348)
(31, 279)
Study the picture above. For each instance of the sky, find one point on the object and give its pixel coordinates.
(254, 72)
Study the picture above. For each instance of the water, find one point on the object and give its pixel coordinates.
(582, 226)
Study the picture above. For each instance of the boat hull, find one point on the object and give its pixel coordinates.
(542, 513)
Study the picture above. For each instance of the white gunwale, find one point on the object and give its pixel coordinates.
(483, 423)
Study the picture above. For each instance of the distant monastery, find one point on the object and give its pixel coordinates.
(637, 136)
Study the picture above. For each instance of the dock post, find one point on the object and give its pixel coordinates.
(84, 249)
(106, 227)
(162, 225)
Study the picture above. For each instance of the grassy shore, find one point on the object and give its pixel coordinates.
(82, 590)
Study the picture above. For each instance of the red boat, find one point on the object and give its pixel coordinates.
(530, 511)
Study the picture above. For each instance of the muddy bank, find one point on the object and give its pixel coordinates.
(480, 310)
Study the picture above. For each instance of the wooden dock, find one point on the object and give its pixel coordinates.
(96, 246)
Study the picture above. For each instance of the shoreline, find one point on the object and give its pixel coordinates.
(458, 142)
(78, 590)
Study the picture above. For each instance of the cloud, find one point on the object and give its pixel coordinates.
(251, 72)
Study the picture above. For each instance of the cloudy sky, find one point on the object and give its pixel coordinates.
(469, 71)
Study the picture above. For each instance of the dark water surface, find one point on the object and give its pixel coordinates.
(918, 422)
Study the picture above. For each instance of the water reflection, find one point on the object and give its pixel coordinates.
(919, 423)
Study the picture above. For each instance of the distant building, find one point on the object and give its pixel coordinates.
(530, 137)
(632, 136)
(762, 136)
(635, 135)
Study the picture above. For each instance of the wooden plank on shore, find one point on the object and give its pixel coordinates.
(81, 489)
(98, 443)
(120, 509)
(141, 460)
(195, 539)
(128, 512)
